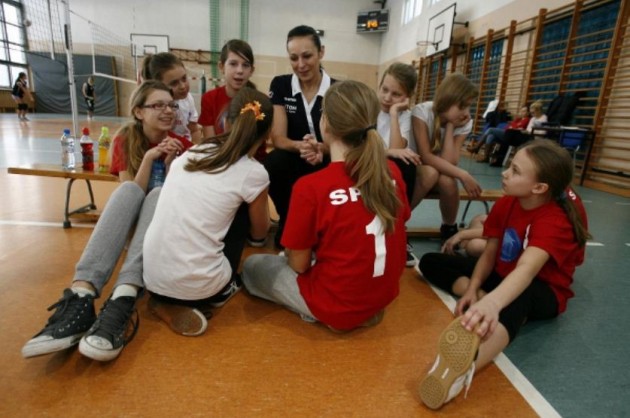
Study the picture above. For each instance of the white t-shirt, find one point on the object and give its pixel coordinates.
(424, 112)
(186, 113)
(384, 126)
(183, 246)
(536, 122)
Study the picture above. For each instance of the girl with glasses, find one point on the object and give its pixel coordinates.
(136, 146)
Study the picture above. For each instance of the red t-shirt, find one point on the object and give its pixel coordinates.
(357, 270)
(546, 227)
(214, 110)
(119, 162)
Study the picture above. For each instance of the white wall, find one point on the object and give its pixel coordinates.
(270, 20)
(186, 22)
(401, 40)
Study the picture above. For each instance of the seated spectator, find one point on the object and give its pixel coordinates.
(494, 135)
(517, 137)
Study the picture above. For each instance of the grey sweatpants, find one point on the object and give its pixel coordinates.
(270, 277)
(126, 207)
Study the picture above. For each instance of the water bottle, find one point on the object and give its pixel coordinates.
(158, 174)
(104, 142)
(67, 150)
(87, 150)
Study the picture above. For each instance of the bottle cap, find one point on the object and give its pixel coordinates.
(86, 131)
(66, 131)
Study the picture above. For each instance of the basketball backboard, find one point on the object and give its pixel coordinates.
(440, 30)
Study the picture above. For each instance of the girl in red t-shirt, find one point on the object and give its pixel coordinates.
(536, 238)
(345, 231)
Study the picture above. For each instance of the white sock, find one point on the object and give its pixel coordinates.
(82, 291)
(125, 290)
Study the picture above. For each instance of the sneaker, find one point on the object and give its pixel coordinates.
(73, 316)
(114, 328)
(447, 231)
(454, 367)
(184, 320)
(227, 293)
(412, 260)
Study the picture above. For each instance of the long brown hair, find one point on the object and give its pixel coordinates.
(136, 142)
(554, 167)
(248, 127)
(240, 48)
(351, 109)
(404, 74)
(154, 66)
(455, 89)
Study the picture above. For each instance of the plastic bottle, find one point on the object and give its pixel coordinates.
(158, 174)
(87, 150)
(104, 142)
(67, 150)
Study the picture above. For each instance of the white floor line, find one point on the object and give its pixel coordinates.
(622, 203)
(44, 224)
(594, 244)
(534, 398)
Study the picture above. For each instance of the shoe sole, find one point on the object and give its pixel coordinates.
(96, 353)
(457, 350)
(189, 322)
(50, 346)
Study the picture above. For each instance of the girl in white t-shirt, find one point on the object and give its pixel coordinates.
(440, 128)
(215, 194)
(394, 126)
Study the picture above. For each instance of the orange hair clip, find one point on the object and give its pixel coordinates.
(254, 107)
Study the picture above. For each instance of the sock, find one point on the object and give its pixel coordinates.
(125, 290)
(82, 291)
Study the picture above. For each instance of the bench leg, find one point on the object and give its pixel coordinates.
(82, 209)
(462, 223)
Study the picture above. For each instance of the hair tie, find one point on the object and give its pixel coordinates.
(365, 131)
(254, 107)
(562, 197)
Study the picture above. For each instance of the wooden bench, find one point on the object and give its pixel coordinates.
(489, 195)
(86, 212)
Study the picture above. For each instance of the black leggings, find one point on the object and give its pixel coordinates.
(537, 302)
(408, 172)
(285, 168)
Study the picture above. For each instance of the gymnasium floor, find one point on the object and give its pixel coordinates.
(257, 359)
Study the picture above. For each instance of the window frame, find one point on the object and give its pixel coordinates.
(9, 68)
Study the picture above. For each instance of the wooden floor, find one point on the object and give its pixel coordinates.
(255, 360)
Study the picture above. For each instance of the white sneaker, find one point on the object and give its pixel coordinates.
(454, 367)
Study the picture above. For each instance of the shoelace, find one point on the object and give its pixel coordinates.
(114, 318)
(70, 302)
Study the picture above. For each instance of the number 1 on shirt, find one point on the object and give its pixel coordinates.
(376, 228)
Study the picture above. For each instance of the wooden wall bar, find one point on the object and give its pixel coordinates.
(581, 47)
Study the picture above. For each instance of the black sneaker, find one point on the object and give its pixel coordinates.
(114, 328)
(230, 289)
(412, 261)
(447, 231)
(74, 315)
